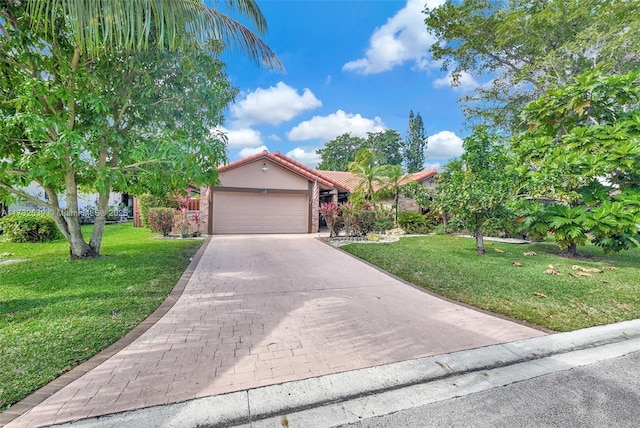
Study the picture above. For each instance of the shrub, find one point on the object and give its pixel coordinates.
(414, 222)
(382, 224)
(365, 221)
(148, 201)
(161, 220)
(330, 212)
(29, 227)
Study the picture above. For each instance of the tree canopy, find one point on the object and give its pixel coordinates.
(337, 154)
(107, 114)
(478, 185)
(582, 150)
(98, 26)
(526, 47)
(415, 144)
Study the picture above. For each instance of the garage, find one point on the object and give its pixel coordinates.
(241, 212)
(266, 193)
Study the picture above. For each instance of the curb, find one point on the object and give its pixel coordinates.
(245, 407)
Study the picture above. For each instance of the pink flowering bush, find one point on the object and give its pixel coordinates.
(330, 212)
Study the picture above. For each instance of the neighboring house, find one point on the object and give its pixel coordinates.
(84, 200)
(272, 193)
(424, 178)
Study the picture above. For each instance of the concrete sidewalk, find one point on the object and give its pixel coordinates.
(261, 310)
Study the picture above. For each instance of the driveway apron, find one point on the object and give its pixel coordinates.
(266, 309)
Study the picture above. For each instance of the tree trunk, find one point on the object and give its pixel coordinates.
(479, 240)
(101, 221)
(79, 249)
(572, 250)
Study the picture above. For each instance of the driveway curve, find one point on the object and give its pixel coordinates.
(266, 309)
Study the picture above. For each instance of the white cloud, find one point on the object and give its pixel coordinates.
(444, 145)
(404, 37)
(466, 82)
(309, 158)
(250, 151)
(338, 123)
(245, 137)
(273, 105)
(274, 137)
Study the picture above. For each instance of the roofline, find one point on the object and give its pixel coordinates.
(311, 171)
(287, 163)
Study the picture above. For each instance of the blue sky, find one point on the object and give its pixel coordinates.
(351, 66)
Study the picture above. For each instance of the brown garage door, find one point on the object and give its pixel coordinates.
(259, 213)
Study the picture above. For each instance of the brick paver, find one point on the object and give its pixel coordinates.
(260, 310)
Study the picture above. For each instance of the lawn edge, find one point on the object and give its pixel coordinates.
(41, 394)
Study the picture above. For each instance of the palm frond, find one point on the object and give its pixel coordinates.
(103, 25)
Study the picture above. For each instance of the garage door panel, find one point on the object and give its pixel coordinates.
(259, 213)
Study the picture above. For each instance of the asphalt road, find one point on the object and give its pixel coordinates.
(603, 394)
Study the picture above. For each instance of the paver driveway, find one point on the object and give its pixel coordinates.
(260, 310)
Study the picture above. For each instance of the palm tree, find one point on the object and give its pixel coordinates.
(370, 176)
(107, 25)
(392, 179)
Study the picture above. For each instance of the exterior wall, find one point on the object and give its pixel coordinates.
(406, 204)
(429, 183)
(252, 176)
(314, 200)
(205, 202)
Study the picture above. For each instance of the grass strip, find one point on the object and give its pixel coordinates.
(448, 266)
(56, 313)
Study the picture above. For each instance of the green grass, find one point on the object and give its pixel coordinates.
(56, 313)
(448, 266)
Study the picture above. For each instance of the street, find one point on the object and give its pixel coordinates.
(603, 394)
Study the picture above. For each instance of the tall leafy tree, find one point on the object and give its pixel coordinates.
(84, 105)
(526, 47)
(338, 153)
(477, 186)
(415, 144)
(386, 146)
(582, 150)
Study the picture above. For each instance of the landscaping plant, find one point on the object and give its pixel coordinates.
(161, 220)
(29, 227)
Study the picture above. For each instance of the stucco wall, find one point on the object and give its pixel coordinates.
(252, 176)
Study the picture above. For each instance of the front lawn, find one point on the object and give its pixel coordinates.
(56, 313)
(448, 266)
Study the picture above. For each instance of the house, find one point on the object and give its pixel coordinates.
(267, 193)
(424, 178)
(272, 193)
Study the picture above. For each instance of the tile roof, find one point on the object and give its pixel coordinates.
(287, 163)
(347, 180)
(419, 176)
(343, 180)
